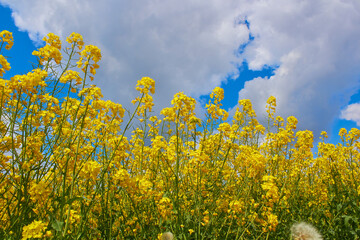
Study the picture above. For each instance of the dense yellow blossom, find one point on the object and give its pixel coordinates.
(4, 65)
(89, 57)
(7, 38)
(76, 40)
(70, 75)
(53, 40)
(213, 108)
(51, 51)
(72, 167)
(271, 106)
(34, 230)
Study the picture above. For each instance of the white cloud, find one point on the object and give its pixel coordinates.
(352, 113)
(189, 46)
(316, 45)
(184, 45)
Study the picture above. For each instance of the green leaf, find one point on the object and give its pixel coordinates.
(57, 225)
(347, 220)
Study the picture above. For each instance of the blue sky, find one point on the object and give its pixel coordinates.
(20, 56)
(306, 53)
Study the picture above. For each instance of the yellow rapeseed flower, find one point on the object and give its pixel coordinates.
(70, 75)
(6, 37)
(36, 229)
(76, 40)
(48, 53)
(53, 40)
(4, 65)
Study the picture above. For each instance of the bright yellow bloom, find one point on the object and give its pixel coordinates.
(34, 230)
(93, 53)
(48, 53)
(39, 192)
(6, 37)
(213, 109)
(90, 170)
(70, 75)
(218, 95)
(271, 106)
(324, 134)
(272, 191)
(29, 81)
(4, 65)
(76, 40)
(53, 40)
(145, 84)
(291, 123)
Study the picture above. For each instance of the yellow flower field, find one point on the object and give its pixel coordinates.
(71, 168)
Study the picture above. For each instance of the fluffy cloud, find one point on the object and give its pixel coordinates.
(191, 46)
(315, 45)
(352, 113)
(184, 45)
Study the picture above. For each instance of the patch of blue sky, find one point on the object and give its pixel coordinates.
(20, 55)
(342, 123)
(242, 47)
(232, 85)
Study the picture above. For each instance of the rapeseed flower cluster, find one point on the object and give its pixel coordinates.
(71, 169)
(51, 51)
(6, 41)
(34, 230)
